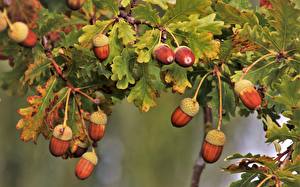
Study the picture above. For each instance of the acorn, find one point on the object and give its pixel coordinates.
(86, 165)
(21, 34)
(184, 56)
(97, 127)
(213, 145)
(101, 46)
(248, 94)
(185, 112)
(60, 140)
(3, 23)
(265, 3)
(75, 4)
(163, 53)
(79, 148)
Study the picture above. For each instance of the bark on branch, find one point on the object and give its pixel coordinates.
(199, 165)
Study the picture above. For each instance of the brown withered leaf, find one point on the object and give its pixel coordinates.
(242, 45)
(32, 122)
(25, 11)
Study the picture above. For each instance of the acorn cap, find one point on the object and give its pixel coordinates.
(241, 85)
(100, 40)
(215, 137)
(18, 32)
(3, 23)
(189, 106)
(99, 118)
(62, 133)
(91, 157)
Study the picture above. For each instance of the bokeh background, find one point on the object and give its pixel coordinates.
(139, 149)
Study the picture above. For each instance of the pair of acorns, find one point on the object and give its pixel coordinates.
(182, 55)
(215, 139)
(19, 32)
(61, 140)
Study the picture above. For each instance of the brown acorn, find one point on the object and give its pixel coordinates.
(185, 112)
(75, 4)
(248, 94)
(60, 140)
(21, 34)
(184, 56)
(86, 165)
(213, 145)
(163, 53)
(79, 148)
(97, 127)
(3, 23)
(101, 46)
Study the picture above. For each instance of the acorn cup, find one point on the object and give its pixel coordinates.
(184, 56)
(101, 46)
(163, 53)
(3, 23)
(79, 148)
(213, 145)
(86, 165)
(60, 140)
(75, 4)
(21, 34)
(97, 127)
(185, 112)
(248, 94)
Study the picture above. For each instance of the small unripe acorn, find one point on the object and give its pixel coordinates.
(86, 165)
(101, 46)
(185, 112)
(97, 127)
(163, 53)
(184, 56)
(21, 34)
(212, 146)
(60, 140)
(3, 23)
(75, 4)
(79, 148)
(248, 94)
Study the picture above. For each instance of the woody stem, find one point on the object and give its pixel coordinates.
(254, 63)
(199, 85)
(218, 73)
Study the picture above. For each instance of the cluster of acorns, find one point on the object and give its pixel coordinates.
(182, 55)
(61, 141)
(18, 31)
(215, 139)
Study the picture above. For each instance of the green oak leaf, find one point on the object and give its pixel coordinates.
(232, 15)
(110, 5)
(177, 77)
(125, 32)
(145, 12)
(183, 9)
(147, 89)
(122, 68)
(145, 45)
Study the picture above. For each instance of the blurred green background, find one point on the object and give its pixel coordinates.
(139, 149)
